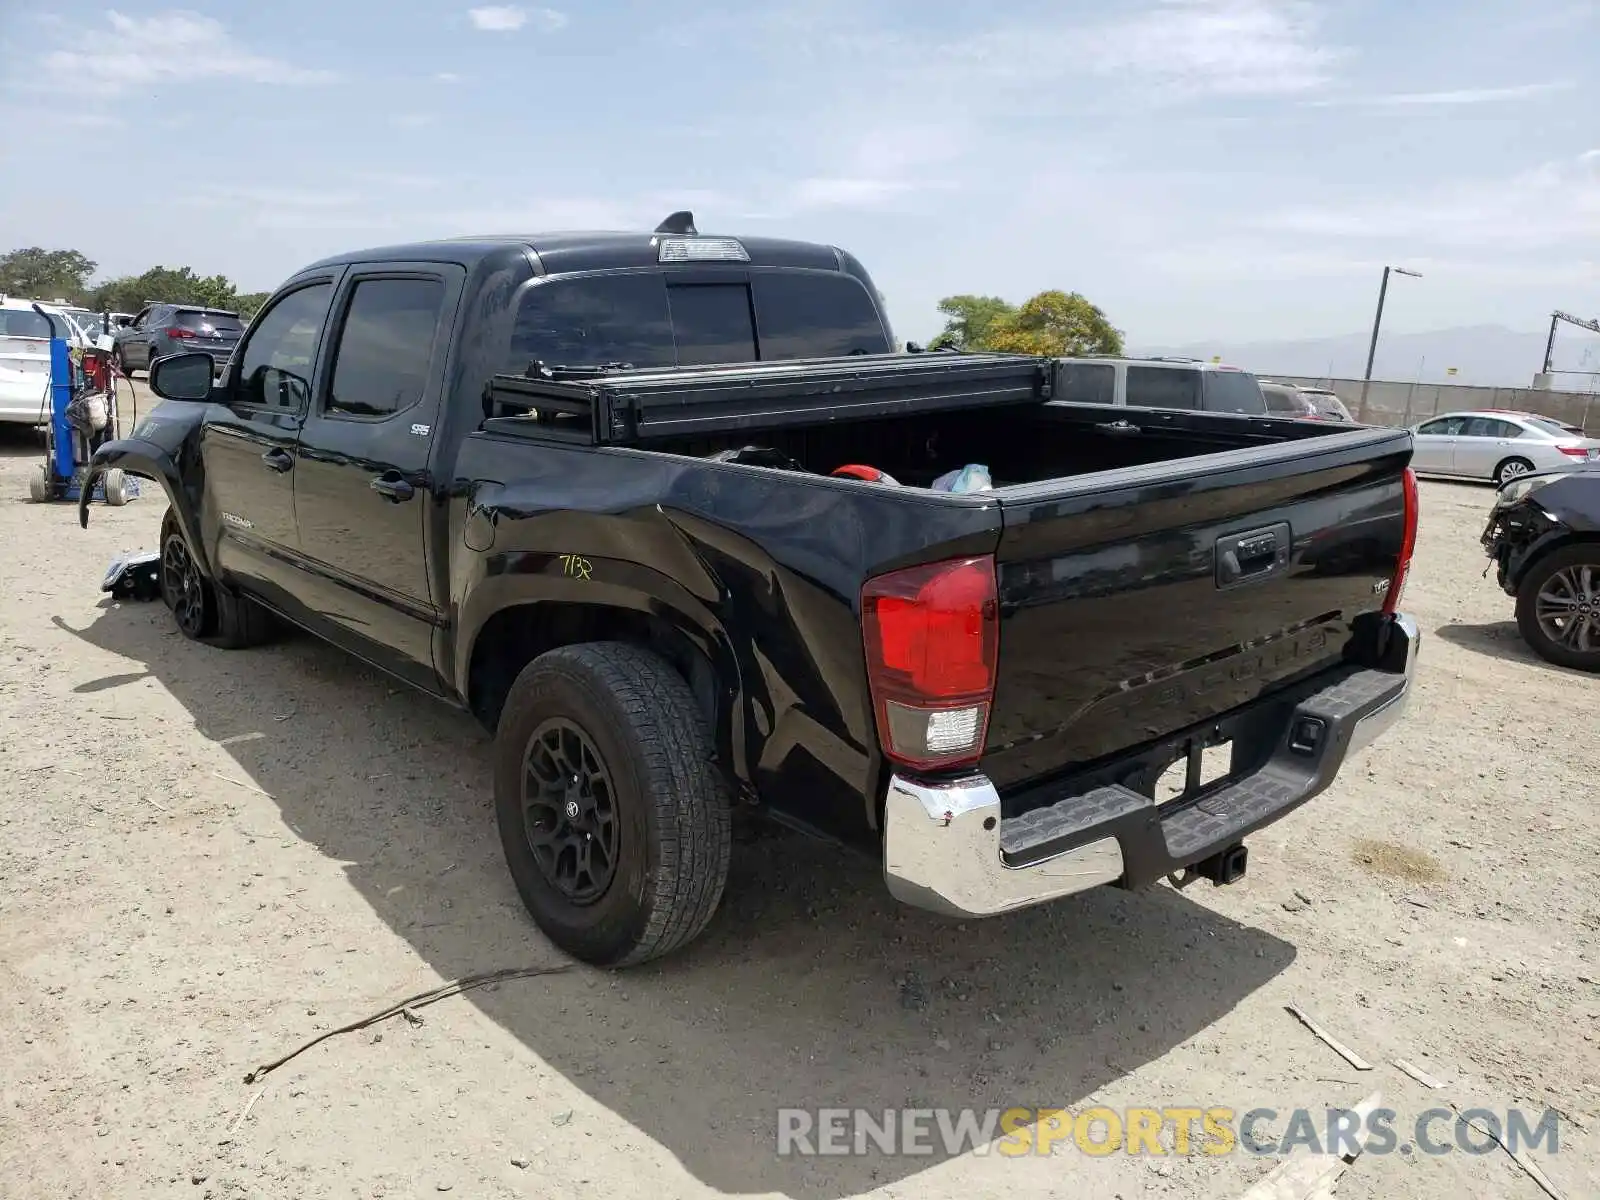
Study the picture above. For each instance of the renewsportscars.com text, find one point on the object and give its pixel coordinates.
(1177, 1130)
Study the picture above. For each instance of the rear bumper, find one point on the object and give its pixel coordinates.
(949, 848)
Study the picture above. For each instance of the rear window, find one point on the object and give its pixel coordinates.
(593, 322)
(1282, 400)
(815, 316)
(711, 323)
(1558, 428)
(188, 318)
(1087, 383)
(25, 323)
(1233, 391)
(639, 319)
(1163, 387)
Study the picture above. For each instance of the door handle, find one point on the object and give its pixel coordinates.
(278, 460)
(393, 490)
(1247, 557)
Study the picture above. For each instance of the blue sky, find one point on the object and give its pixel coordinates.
(1235, 169)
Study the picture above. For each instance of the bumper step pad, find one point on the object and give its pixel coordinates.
(1158, 841)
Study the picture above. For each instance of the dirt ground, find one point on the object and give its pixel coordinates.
(207, 858)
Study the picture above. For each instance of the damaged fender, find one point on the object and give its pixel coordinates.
(155, 451)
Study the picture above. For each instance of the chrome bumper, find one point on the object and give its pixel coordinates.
(942, 841)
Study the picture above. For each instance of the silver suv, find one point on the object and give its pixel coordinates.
(1159, 383)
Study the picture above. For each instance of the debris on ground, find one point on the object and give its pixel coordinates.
(1333, 1043)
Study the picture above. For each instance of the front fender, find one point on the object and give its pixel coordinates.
(146, 459)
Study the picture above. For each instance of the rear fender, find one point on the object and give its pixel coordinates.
(600, 605)
(148, 460)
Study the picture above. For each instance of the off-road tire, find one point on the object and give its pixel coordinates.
(672, 801)
(1534, 580)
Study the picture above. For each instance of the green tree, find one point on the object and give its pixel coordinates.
(1056, 323)
(130, 293)
(249, 303)
(39, 274)
(970, 321)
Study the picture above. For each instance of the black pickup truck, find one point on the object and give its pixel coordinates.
(670, 515)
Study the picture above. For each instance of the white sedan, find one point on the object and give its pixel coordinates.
(25, 358)
(1497, 445)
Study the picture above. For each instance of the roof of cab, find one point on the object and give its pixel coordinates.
(579, 251)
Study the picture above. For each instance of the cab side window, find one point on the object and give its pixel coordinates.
(1163, 387)
(1232, 391)
(381, 364)
(1444, 427)
(275, 366)
(1086, 383)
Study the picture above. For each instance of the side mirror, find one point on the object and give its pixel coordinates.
(182, 377)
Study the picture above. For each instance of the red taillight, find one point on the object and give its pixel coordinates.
(177, 331)
(1574, 451)
(1408, 544)
(932, 638)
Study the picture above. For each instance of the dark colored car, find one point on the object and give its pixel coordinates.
(623, 498)
(1544, 537)
(158, 330)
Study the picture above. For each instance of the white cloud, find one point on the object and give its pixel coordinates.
(847, 193)
(508, 18)
(1171, 49)
(175, 46)
(447, 77)
(1261, 263)
(1555, 206)
(218, 196)
(882, 130)
(1219, 47)
(1493, 95)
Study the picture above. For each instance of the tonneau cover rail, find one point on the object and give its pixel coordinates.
(628, 405)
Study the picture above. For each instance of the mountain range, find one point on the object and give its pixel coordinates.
(1489, 355)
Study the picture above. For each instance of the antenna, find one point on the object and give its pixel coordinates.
(679, 222)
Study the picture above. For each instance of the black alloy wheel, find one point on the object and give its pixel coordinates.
(182, 588)
(569, 811)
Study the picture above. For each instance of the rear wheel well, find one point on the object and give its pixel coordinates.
(515, 636)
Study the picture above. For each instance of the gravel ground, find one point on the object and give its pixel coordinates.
(207, 858)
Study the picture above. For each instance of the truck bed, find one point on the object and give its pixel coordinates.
(1109, 529)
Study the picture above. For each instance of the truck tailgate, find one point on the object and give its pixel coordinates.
(1138, 602)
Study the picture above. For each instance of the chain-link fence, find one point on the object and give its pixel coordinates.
(1392, 403)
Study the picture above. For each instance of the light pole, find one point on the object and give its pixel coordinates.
(1372, 349)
